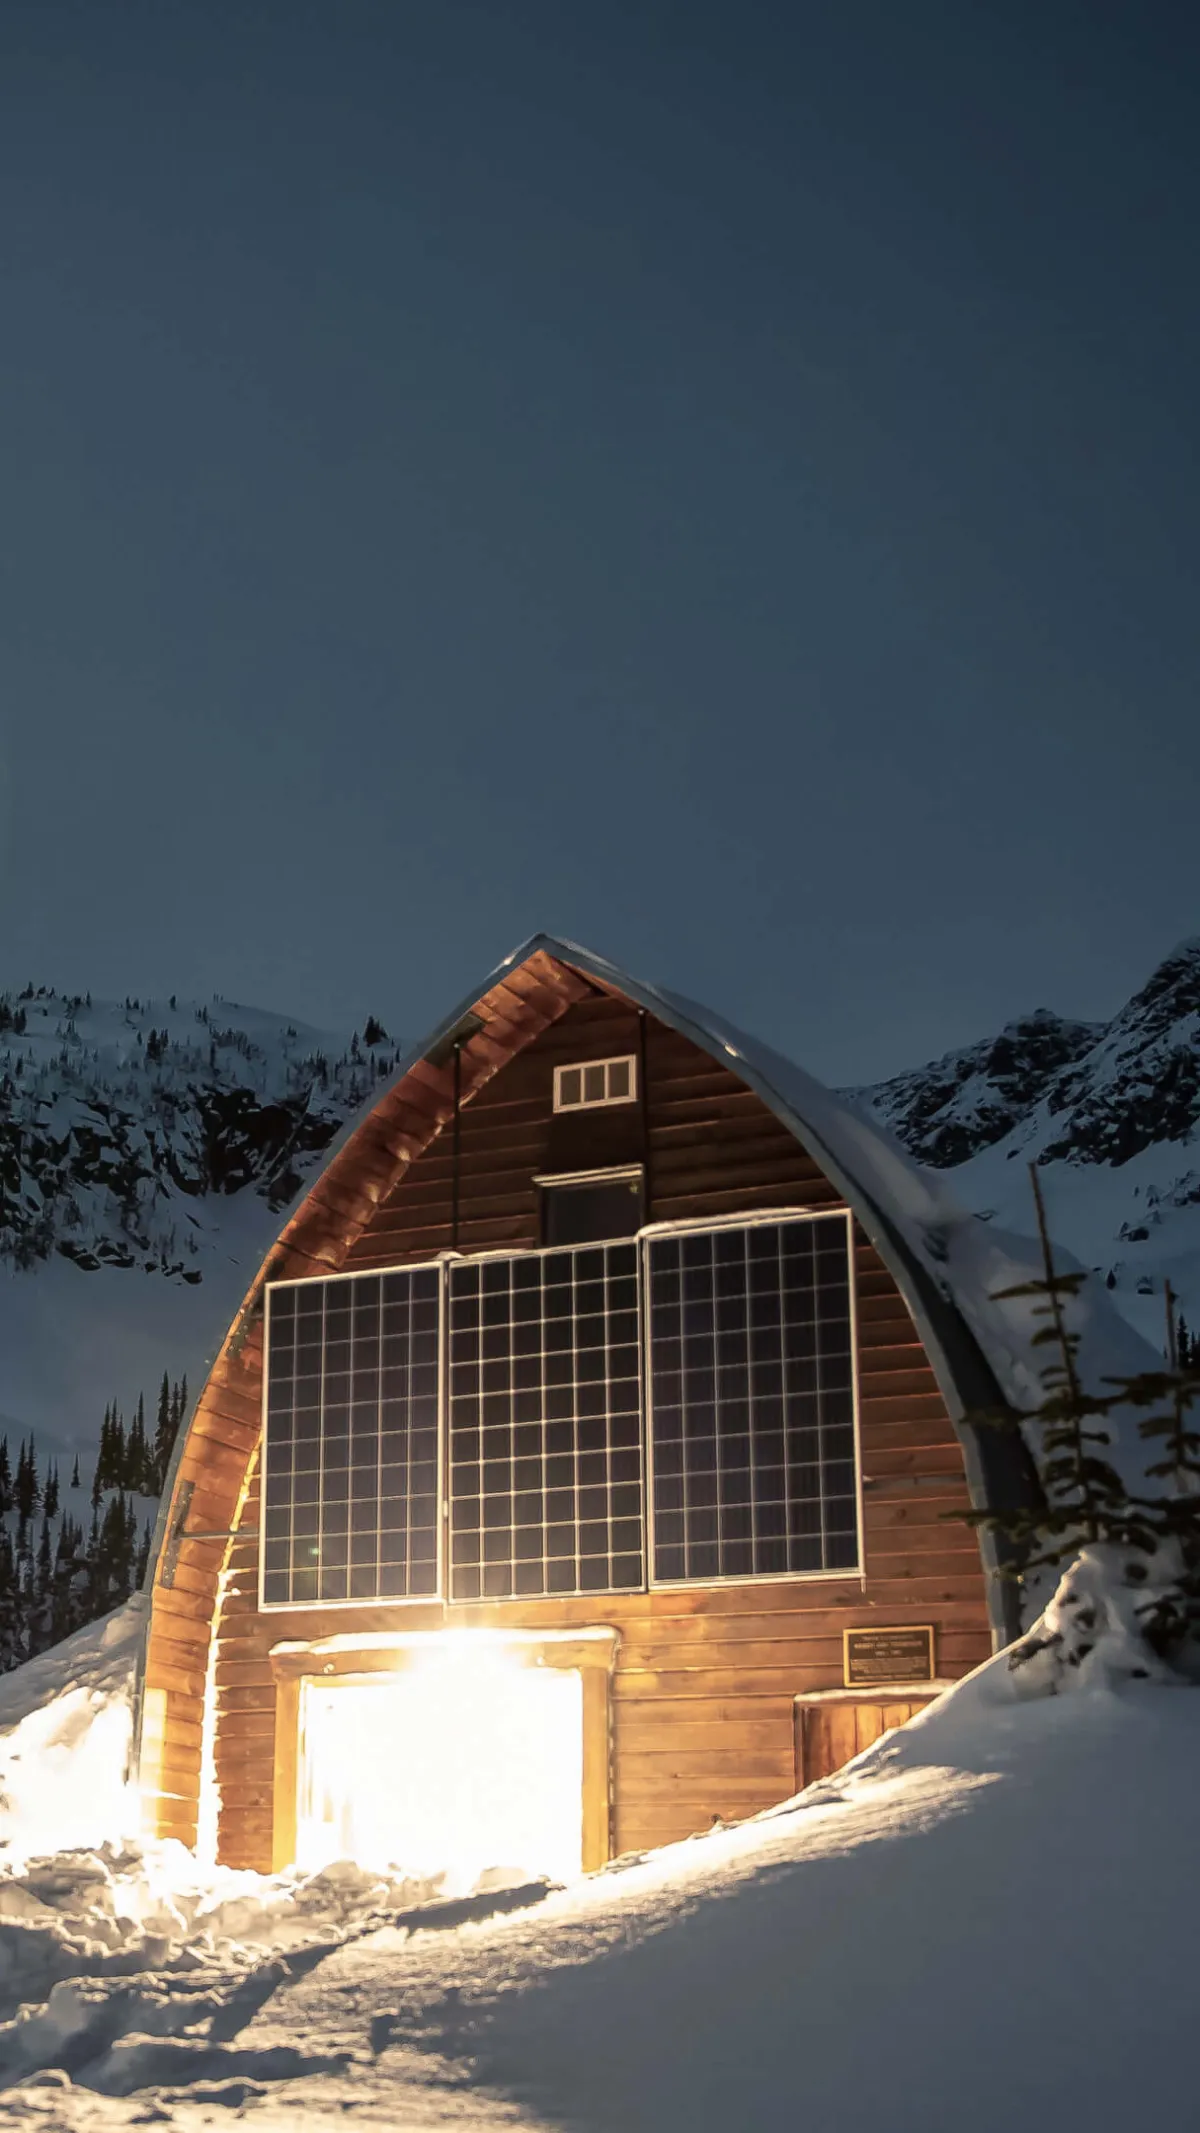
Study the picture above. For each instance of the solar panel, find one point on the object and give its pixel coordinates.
(751, 1378)
(350, 1488)
(545, 1424)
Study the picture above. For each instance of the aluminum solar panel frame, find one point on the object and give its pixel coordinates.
(351, 1483)
(545, 1423)
(752, 1437)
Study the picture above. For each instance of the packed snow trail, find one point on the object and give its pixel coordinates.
(987, 1921)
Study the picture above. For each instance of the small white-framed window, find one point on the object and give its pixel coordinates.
(594, 1082)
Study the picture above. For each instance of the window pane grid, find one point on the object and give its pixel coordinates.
(752, 1401)
(545, 1424)
(351, 1487)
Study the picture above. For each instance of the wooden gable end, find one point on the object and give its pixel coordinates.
(709, 1144)
(705, 1678)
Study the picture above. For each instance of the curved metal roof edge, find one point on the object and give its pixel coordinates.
(999, 1469)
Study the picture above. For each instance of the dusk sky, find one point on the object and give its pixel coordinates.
(715, 481)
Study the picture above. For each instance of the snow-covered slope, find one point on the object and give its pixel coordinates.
(66, 1726)
(146, 1149)
(1111, 1114)
(987, 1920)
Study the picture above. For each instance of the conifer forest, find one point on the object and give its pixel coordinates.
(74, 1545)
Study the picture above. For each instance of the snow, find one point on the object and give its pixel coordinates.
(72, 1339)
(65, 1735)
(1110, 1112)
(144, 1143)
(987, 1919)
(1090, 1205)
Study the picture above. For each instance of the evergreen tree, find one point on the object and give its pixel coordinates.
(55, 1580)
(112, 1566)
(1186, 1351)
(113, 1452)
(39, 1609)
(27, 1492)
(1172, 1618)
(172, 1400)
(164, 1434)
(67, 1611)
(1086, 1501)
(13, 1649)
(134, 1475)
(1152, 1540)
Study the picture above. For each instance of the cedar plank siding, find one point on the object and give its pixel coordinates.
(703, 1715)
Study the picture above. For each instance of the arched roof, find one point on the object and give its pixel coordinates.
(948, 1265)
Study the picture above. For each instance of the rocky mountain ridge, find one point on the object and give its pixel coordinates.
(121, 1125)
(1110, 1113)
(163, 1138)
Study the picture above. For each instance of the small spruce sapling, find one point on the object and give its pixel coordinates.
(1135, 1557)
(1171, 1618)
(1086, 1501)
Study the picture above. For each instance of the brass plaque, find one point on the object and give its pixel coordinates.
(874, 1657)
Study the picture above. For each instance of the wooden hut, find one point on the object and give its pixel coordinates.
(584, 1466)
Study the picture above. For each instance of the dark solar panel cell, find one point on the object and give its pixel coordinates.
(750, 1372)
(556, 1406)
(351, 1439)
(752, 1410)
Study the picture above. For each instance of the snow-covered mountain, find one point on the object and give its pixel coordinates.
(1110, 1113)
(146, 1148)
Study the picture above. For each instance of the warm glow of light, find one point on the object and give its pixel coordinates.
(465, 1760)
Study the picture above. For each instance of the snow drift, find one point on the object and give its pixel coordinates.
(986, 1919)
(66, 1726)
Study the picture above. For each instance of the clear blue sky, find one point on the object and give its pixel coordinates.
(719, 481)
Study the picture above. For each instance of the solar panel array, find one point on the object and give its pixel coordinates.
(751, 1379)
(350, 1493)
(545, 1424)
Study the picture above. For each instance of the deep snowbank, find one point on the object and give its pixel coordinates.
(65, 1733)
(988, 1922)
(82, 1895)
(985, 1921)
